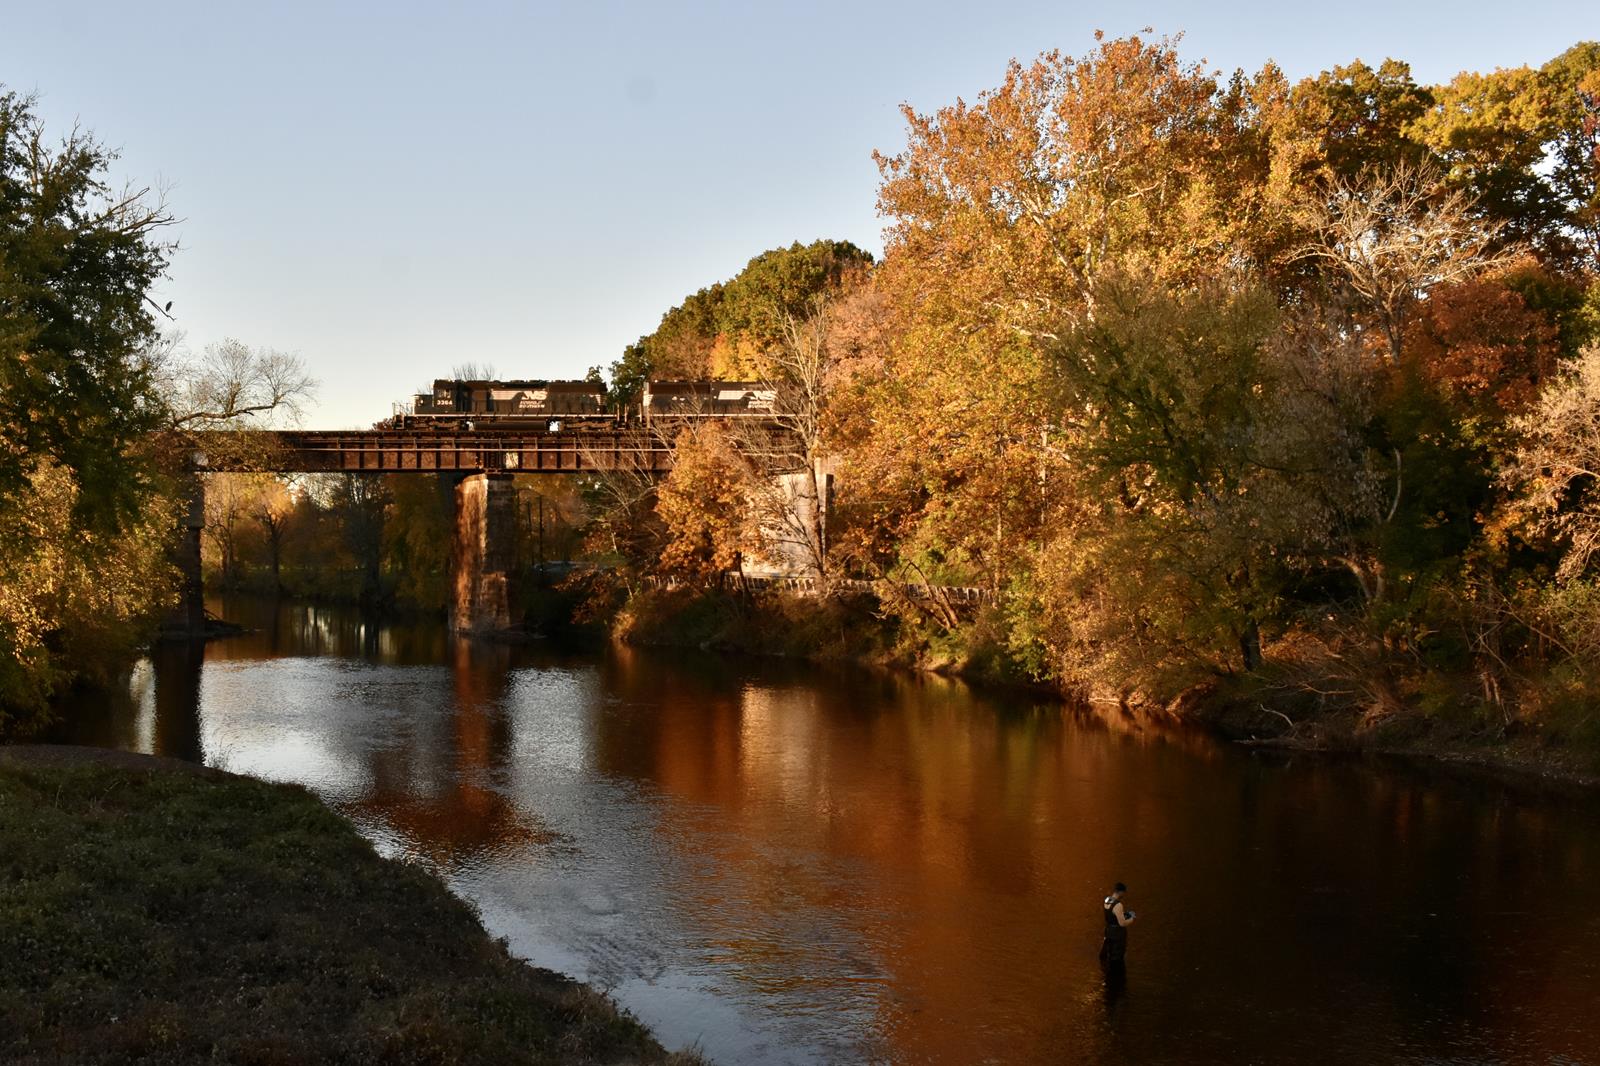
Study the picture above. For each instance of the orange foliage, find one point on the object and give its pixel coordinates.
(704, 503)
(1481, 342)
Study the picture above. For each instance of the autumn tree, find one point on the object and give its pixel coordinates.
(1387, 237)
(622, 525)
(231, 502)
(1003, 215)
(275, 513)
(703, 503)
(787, 486)
(725, 330)
(416, 537)
(1557, 464)
(551, 512)
(1575, 146)
(1482, 344)
(74, 600)
(1212, 448)
(1522, 142)
(84, 500)
(1354, 118)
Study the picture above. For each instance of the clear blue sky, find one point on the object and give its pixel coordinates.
(390, 189)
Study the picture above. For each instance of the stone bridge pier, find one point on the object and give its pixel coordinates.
(483, 554)
(188, 618)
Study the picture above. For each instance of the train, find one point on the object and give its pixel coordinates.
(556, 405)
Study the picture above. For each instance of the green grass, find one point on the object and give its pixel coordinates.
(166, 915)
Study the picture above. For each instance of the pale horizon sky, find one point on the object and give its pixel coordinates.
(390, 190)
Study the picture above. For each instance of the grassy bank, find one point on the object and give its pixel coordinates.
(151, 911)
(1303, 699)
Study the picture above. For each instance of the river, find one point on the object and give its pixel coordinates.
(792, 864)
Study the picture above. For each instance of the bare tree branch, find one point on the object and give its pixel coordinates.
(1390, 236)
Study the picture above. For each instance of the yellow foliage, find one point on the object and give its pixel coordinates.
(72, 601)
(704, 503)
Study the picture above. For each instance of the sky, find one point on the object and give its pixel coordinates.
(391, 190)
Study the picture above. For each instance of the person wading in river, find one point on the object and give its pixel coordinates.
(1115, 946)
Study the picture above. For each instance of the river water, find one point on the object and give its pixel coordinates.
(795, 864)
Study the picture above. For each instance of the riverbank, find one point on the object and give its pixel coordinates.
(154, 910)
(1520, 753)
(1291, 704)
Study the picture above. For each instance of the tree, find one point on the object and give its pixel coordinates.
(230, 499)
(1490, 132)
(1575, 145)
(359, 505)
(417, 536)
(1389, 236)
(83, 570)
(1524, 144)
(78, 261)
(1213, 448)
(233, 386)
(1557, 464)
(725, 330)
(787, 487)
(782, 285)
(275, 513)
(1482, 343)
(73, 599)
(704, 504)
(230, 387)
(1003, 216)
(1348, 120)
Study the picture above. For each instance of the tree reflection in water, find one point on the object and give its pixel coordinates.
(795, 863)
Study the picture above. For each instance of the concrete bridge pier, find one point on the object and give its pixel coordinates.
(188, 617)
(483, 554)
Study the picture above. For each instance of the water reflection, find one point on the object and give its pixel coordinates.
(795, 865)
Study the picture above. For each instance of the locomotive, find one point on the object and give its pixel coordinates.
(708, 399)
(554, 405)
(529, 400)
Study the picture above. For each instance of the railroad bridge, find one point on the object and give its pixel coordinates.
(481, 461)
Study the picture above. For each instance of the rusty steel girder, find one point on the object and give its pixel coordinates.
(431, 451)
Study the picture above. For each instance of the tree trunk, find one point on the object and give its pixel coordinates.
(1250, 646)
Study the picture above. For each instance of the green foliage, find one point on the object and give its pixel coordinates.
(723, 330)
(85, 514)
(780, 285)
(77, 263)
(1523, 141)
(1359, 117)
(1447, 479)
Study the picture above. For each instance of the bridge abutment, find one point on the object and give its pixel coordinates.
(483, 554)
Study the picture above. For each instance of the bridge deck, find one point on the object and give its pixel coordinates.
(420, 451)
